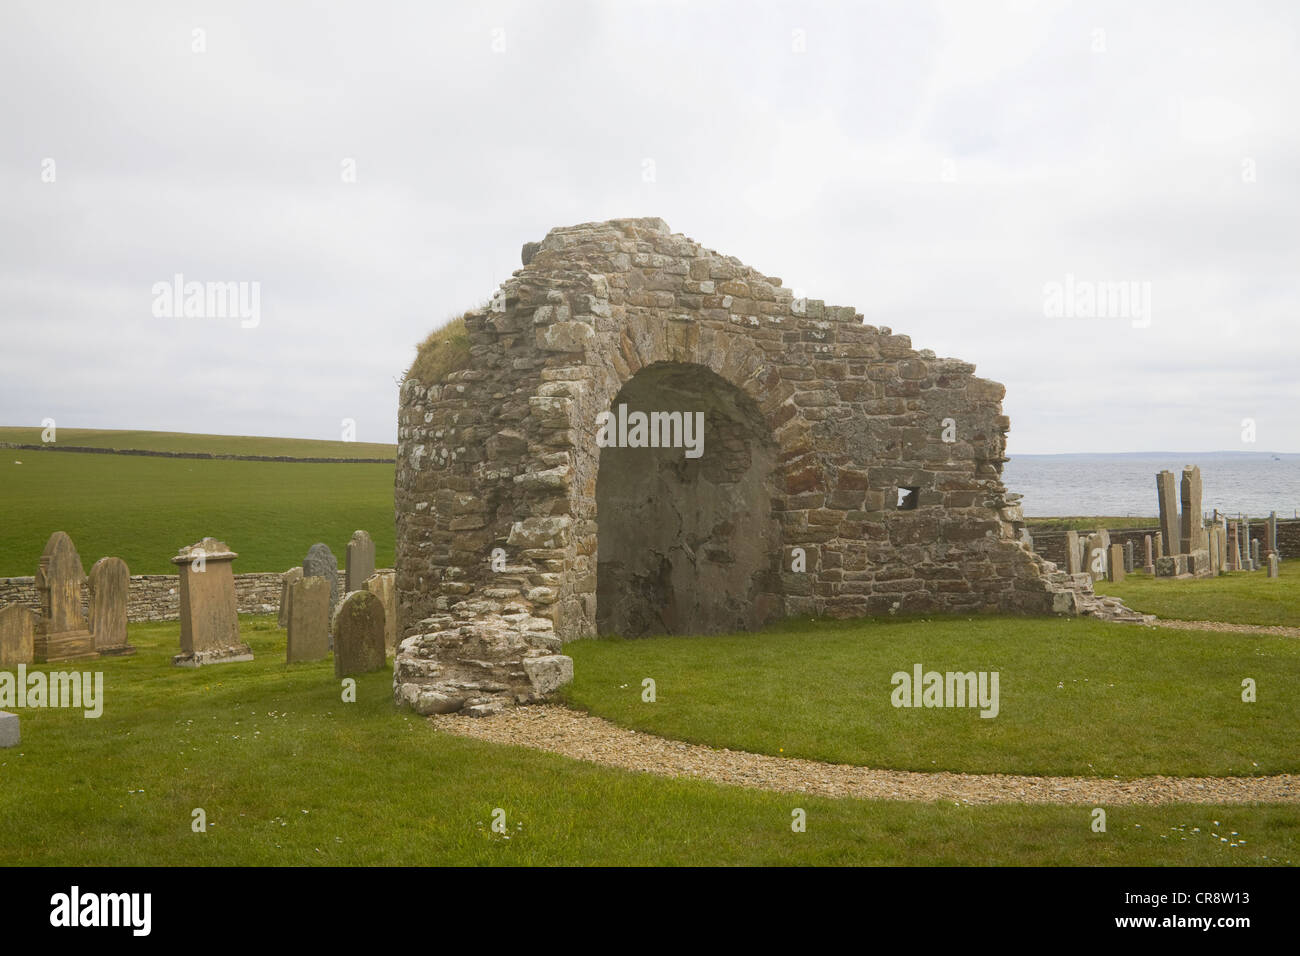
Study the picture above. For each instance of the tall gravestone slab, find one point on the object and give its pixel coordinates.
(1149, 557)
(358, 629)
(1128, 557)
(1097, 554)
(209, 613)
(1160, 544)
(1223, 544)
(383, 585)
(63, 633)
(1167, 494)
(1272, 565)
(1072, 552)
(309, 620)
(1255, 553)
(359, 562)
(1234, 547)
(17, 635)
(1270, 535)
(1115, 564)
(287, 579)
(110, 583)
(1212, 534)
(321, 563)
(1192, 530)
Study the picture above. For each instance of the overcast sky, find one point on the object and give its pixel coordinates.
(936, 166)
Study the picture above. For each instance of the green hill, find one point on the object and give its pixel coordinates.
(183, 442)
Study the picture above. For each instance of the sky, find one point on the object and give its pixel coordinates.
(955, 171)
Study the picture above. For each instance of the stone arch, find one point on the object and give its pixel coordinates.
(686, 540)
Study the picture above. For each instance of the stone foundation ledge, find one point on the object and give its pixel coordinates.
(479, 667)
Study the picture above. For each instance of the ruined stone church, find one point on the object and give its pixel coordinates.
(651, 437)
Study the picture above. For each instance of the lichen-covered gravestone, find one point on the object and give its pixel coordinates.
(9, 732)
(62, 634)
(110, 580)
(309, 618)
(209, 613)
(358, 630)
(383, 585)
(286, 580)
(321, 563)
(17, 635)
(359, 560)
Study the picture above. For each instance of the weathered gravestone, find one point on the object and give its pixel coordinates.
(9, 732)
(17, 635)
(1097, 554)
(309, 620)
(287, 579)
(209, 613)
(1148, 558)
(1234, 547)
(1072, 565)
(383, 585)
(110, 582)
(1255, 553)
(358, 629)
(1192, 532)
(359, 561)
(1270, 536)
(1160, 545)
(1272, 565)
(1167, 495)
(62, 634)
(1115, 564)
(321, 563)
(1128, 557)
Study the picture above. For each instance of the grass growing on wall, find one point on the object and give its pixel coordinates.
(288, 774)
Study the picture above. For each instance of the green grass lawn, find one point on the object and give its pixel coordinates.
(1077, 696)
(1088, 524)
(288, 774)
(211, 444)
(1242, 597)
(144, 509)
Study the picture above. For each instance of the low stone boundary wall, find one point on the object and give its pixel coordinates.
(156, 597)
(1051, 544)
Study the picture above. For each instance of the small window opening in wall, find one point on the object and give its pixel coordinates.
(907, 498)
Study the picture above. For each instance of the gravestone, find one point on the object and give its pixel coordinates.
(1167, 496)
(62, 633)
(1246, 558)
(286, 579)
(1223, 544)
(1192, 532)
(1213, 535)
(383, 585)
(1160, 545)
(9, 731)
(1234, 548)
(358, 629)
(1254, 553)
(1148, 558)
(1115, 564)
(1128, 557)
(1097, 554)
(209, 613)
(17, 635)
(1171, 566)
(321, 563)
(309, 620)
(1198, 562)
(1270, 536)
(110, 582)
(1072, 565)
(359, 561)
(1272, 565)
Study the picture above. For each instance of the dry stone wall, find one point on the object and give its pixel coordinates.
(156, 597)
(843, 473)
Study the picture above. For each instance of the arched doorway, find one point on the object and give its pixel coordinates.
(686, 541)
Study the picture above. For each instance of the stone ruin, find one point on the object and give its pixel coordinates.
(552, 489)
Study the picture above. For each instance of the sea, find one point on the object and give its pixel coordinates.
(1124, 485)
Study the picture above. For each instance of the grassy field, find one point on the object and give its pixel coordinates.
(1077, 697)
(1242, 597)
(210, 444)
(1088, 524)
(288, 774)
(144, 509)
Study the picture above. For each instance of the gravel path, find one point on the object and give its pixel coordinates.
(583, 737)
(1235, 628)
